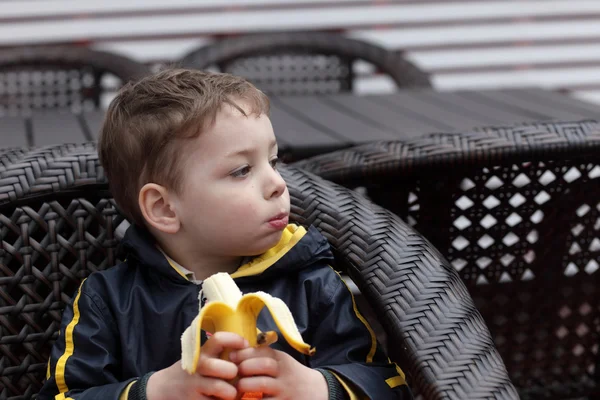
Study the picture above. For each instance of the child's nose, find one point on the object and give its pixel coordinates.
(276, 185)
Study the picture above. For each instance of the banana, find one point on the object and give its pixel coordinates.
(227, 310)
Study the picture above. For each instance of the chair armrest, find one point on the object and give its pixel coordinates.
(401, 70)
(439, 151)
(73, 57)
(420, 300)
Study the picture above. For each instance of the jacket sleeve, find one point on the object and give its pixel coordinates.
(347, 347)
(84, 361)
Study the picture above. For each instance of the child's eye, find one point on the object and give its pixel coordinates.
(274, 162)
(241, 172)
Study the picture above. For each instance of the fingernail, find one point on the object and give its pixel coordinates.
(246, 343)
(233, 357)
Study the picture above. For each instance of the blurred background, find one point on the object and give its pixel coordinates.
(462, 44)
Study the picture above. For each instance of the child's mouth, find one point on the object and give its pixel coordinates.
(279, 221)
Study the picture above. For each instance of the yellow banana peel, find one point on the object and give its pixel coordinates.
(227, 310)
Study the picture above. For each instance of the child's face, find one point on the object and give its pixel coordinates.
(233, 201)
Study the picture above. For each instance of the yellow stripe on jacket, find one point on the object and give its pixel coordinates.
(393, 381)
(354, 394)
(61, 396)
(362, 319)
(125, 393)
(61, 365)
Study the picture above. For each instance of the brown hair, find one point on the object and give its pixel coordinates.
(148, 123)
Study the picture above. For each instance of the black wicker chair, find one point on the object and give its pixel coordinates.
(516, 210)
(60, 77)
(58, 222)
(283, 63)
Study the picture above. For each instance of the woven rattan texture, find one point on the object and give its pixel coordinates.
(291, 74)
(303, 63)
(78, 79)
(516, 210)
(57, 230)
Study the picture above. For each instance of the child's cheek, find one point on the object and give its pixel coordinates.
(244, 212)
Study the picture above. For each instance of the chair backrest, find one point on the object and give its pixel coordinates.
(58, 221)
(516, 210)
(63, 77)
(286, 63)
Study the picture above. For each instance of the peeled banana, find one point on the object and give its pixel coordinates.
(227, 310)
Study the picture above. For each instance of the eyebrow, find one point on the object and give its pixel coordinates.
(243, 152)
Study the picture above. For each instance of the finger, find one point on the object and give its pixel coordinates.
(251, 352)
(221, 341)
(215, 388)
(216, 368)
(259, 366)
(263, 384)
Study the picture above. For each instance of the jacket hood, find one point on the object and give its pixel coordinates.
(298, 248)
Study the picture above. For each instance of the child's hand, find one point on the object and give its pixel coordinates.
(210, 381)
(277, 375)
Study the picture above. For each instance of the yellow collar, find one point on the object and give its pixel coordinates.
(290, 236)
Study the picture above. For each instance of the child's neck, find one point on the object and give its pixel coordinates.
(201, 265)
(203, 269)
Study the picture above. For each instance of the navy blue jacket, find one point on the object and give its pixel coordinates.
(128, 320)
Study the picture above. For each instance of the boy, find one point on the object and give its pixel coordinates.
(191, 160)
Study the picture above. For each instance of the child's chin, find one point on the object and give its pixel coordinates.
(265, 244)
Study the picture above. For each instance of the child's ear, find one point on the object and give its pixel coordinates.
(157, 209)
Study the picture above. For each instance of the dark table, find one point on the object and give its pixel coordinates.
(309, 125)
